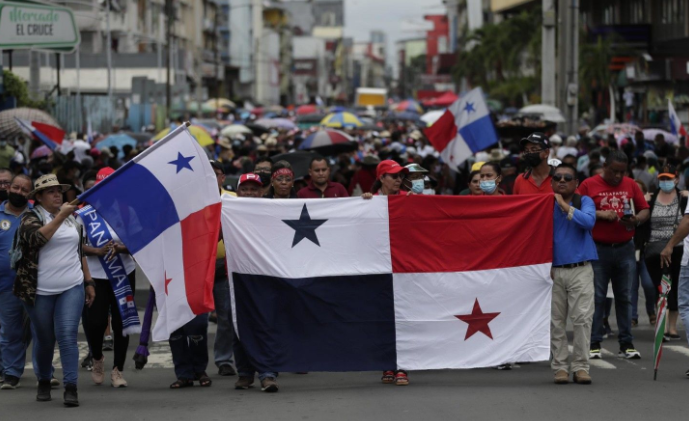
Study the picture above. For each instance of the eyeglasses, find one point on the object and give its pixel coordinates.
(567, 177)
(395, 176)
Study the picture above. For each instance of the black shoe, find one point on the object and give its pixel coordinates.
(11, 382)
(595, 351)
(628, 351)
(87, 362)
(71, 397)
(43, 393)
(226, 370)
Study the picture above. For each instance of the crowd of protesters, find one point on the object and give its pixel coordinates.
(618, 220)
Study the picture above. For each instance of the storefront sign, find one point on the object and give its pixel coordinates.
(37, 26)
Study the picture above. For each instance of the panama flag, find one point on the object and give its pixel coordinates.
(165, 207)
(676, 126)
(464, 129)
(51, 136)
(411, 283)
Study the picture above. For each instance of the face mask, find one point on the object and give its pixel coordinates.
(3, 195)
(488, 186)
(417, 186)
(18, 200)
(533, 159)
(667, 185)
(429, 191)
(265, 177)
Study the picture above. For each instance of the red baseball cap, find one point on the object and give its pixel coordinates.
(389, 167)
(249, 177)
(103, 173)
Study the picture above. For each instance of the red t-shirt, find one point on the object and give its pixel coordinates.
(528, 185)
(607, 197)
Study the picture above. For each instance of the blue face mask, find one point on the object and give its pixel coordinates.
(417, 186)
(667, 185)
(488, 186)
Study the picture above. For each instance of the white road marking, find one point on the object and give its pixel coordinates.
(678, 348)
(597, 363)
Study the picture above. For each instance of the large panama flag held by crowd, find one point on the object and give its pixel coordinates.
(165, 207)
(412, 282)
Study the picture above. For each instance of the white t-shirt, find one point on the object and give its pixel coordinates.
(685, 256)
(59, 264)
(95, 266)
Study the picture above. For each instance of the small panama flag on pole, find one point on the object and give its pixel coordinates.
(665, 286)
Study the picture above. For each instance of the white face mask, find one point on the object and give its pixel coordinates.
(417, 186)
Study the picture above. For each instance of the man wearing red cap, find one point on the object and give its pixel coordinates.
(250, 185)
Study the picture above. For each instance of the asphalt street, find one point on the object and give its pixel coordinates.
(621, 390)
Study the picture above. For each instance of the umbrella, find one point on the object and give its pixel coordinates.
(141, 354)
(118, 140)
(307, 109)
(329, 142)
(276, 123)
(650, 134)
(337, 109)
(408, 105)
(547, 112)
(257, 129)
(444, 100)
(432, 116)
(140, 137)
(665, 286)
(8, 125)
(194, 107)
(275, 108)
(220, 103)
(40, 152)
(403, 116)
(199, 133)
(234, 130)
(341, 120)
(620, 131)
(300, 161)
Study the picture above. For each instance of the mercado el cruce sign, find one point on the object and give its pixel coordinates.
(36, 25)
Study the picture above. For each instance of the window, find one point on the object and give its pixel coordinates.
(672, 11)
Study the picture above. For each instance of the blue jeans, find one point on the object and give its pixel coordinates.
(189, 346)
(683, 298)
(616, 265)
(56, 317)
(649, 290)
(12, 336)
(224, 337)
(244, 366)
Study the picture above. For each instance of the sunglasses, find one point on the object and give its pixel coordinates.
(567, 177)
(395, 176)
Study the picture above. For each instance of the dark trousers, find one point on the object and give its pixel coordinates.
(103, 306)
(653, 265)
(189, 346)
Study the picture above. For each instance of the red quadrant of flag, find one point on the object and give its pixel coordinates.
(469, 233)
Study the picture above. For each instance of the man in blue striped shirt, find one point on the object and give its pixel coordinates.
(573, 290)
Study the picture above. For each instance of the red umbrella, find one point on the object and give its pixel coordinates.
(307, 109)
(445, 100)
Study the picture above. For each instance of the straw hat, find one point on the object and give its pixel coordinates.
(45, 182)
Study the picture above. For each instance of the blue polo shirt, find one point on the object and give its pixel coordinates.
(572, 240)
(8, 226)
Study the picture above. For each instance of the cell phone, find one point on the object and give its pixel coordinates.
(626, 217)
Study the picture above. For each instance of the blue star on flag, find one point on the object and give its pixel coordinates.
(305, 227)
(469, 108)
(182, 162)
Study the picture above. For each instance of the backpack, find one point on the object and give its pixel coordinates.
(576, 201)
(16, 249)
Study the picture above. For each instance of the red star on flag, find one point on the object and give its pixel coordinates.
(477, 321)
(167, 282)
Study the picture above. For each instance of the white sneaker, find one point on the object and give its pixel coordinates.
(98, 372)
(117, 379)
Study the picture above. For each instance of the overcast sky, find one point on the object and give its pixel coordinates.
(399, 19)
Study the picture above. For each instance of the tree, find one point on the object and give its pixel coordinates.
(17, 87)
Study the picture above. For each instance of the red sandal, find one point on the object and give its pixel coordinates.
(388, 377)
(401, 378)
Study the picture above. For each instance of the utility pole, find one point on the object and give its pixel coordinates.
(168, 94)
(568, 63)
(215, 57)
(108, 51)
(548, 53)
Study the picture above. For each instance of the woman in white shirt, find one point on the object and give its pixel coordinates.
(53, 281)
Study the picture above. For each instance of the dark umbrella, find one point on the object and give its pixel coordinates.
(257, 129)
(310, 118)
(140, 137)
(300, 161)
(141, 354)
(403, 116)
